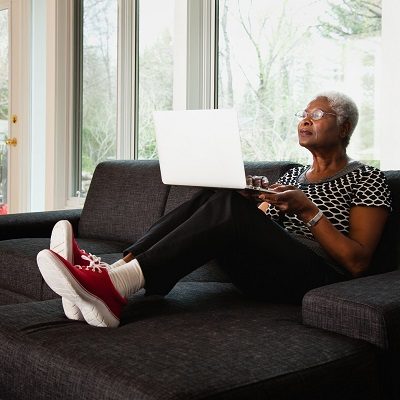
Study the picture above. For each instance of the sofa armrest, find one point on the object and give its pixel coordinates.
(35, 224)
(365, 308)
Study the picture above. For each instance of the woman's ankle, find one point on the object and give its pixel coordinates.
(129, 257)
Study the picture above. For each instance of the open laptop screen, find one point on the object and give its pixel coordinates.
(200, 148)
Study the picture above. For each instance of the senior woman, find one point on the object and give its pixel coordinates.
(321, 226)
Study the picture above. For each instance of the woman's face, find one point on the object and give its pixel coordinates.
(321, 133)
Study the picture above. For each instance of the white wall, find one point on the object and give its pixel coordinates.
(389, 109)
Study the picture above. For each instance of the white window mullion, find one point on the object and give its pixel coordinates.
(201, 54)
(180, 54)
(59, 91)
(38, 106)
(126, 79)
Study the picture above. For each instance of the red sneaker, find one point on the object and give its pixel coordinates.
(63, 243)
(89, 287)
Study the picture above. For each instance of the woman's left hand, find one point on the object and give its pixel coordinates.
(290, 200)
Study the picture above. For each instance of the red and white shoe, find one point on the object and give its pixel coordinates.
(63, 243)
(88, 287)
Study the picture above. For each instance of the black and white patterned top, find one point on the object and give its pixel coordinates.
(355, 185)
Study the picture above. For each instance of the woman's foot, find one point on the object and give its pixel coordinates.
(63, 243)
(88, 287)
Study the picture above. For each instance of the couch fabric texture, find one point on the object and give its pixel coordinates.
(204, 340)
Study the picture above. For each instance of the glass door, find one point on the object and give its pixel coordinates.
(5, 142)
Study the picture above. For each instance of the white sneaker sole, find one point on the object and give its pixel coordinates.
(61, 240)
(61, 243)
(61, 281)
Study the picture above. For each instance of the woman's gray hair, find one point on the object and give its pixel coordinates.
(345, 109)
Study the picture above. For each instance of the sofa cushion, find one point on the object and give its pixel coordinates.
(34, 224)
(387, 255)
(124, 199)
(203, 341)
(20, 275)
(354, 309)
(18, 268)
(9, 297)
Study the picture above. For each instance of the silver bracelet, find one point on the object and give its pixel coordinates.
(314, 219)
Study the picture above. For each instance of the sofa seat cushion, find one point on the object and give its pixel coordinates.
(202, 341)
(18, 259)
(9, 297)
(20, 255)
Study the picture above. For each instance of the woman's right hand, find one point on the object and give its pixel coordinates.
(291, 200)
(257, 181)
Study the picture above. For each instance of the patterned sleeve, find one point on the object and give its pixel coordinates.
(372, 189)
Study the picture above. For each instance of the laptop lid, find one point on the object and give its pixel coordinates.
(200, 148)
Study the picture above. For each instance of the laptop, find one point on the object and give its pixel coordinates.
(201, 148)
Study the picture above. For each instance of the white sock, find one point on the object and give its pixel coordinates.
(117, 263)
(127, 279)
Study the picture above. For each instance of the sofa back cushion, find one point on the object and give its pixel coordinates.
(387, 255)
(125, 198)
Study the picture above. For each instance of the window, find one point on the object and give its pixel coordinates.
(155, 74)
(97, 30)
(274, 56)
(97, 129)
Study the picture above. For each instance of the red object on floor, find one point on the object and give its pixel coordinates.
(3, 209)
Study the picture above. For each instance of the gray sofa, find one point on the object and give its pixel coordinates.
(202, 341)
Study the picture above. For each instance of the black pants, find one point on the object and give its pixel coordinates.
(261, 258)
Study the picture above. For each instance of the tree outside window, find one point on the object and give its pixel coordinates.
(155, 69)
(274, 56)
(99, 87)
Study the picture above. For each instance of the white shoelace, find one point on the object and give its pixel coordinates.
(95, 263)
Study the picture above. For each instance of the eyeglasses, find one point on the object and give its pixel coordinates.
(314, 115)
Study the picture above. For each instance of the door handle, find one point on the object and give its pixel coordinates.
(11, 141)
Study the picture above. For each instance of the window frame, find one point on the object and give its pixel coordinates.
(59, 102)
(199, 49)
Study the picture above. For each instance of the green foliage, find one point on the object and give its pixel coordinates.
(3, 101)
(284, 74)
(155, 90)
(352, 17)
(99, 107)
(277, 86)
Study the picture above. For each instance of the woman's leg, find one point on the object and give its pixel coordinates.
(167, 223)
(229, 227)
(283, 272)
(225, 225)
